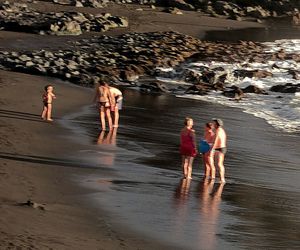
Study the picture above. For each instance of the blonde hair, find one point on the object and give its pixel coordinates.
(186, 120)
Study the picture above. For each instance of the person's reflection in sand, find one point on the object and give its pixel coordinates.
(108, 138)
(210, 198)
(181, 197)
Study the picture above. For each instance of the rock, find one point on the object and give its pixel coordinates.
(236, 93)
(254, 89)
(296, 18)
(287, 88)
(172, 10)
(129, 75)
(295, 74)
(181, 4)
(63, 2)
(154, 87)
(252, 73)
(198, 89)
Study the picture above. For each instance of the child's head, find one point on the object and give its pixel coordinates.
(48, 88)
(188, 122)
(209, 125)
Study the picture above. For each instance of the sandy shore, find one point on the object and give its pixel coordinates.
(32, 164)
(33, 168)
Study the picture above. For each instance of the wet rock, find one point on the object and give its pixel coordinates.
(254, 89)
(181, 4)
(241, 73)
(287, 88)
(234, 92)
(296, 18)
(295, 74)
(198, 89)
(154, 87)
(173, 10)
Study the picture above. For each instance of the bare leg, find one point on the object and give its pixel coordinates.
(108, 116)
(190, 167)
(116, 117)
(101, 137)
(212, 165)
(49, 112)
(221, 167)
(207, 168)
(44, 113)
(184, 166)
(102, 118)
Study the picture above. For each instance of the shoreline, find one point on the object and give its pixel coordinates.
(33, 163)
(34, 167)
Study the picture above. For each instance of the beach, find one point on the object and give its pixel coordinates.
(43, 163)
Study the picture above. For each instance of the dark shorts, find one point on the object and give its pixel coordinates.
(103, 104)
(46, 103)
(221, 150)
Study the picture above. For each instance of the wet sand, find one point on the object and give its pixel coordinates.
(38, 159)
(145, 193)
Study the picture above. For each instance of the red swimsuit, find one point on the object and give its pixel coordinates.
(187, 147)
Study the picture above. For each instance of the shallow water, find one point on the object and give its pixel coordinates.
(258, 207)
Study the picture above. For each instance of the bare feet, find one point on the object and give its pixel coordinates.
(49, 120)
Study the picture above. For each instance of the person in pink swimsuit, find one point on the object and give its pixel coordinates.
(219, 148)
(188, 147)
(208, 160)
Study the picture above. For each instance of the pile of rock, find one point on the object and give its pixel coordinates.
(18, 17)
(128, 57)
(237, 10)
(121, 58)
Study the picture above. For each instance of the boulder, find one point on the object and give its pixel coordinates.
(234, 92)
(287, 88)
(181, 4)
(254, 89)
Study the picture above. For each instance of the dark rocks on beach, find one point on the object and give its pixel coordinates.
(254, 89)
(234, 92)
(252, 73)
(18, 17)
(130, 56)
(287, 88)
(295, 74)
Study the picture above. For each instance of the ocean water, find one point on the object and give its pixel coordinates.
(281, 110)
(143, 193)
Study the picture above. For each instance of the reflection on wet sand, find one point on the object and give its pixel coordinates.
(181, 197)
(210, 199)
(108, 138)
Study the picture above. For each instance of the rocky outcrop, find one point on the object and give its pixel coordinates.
(255, 10)
(18, 17)
(129, 57)
(287, 88)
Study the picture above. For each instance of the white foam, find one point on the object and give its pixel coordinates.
(282, 113)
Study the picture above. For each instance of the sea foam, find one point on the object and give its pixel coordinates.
(281, 110)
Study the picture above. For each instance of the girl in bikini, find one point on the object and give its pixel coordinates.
(103, 98)
(48, 97)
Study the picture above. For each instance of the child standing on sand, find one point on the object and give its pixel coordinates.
(48, 97)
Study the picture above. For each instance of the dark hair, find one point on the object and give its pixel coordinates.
(209, 124)
(186, 120)
(219, 122)
(47, 86)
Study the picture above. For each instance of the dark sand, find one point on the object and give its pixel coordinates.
(32, 163)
